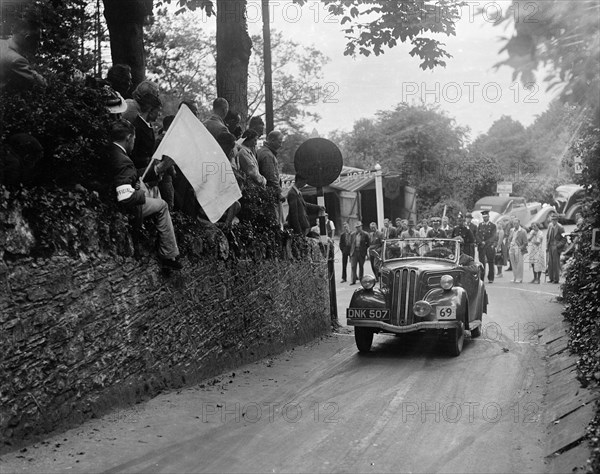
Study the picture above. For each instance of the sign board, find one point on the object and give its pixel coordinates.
(577, 165)
(596, 239)
(319, 161)
(504, 188)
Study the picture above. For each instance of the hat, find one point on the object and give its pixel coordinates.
(436, 220)
(115, 103)
(358, 224)
(469, 215)
(485, 213)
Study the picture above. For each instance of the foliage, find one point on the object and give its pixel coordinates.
(71, 222)
(297, 85)
(68, 27)
(70, 121)
(540, 189)
(181, 58)
(373, 26)
(563, 36)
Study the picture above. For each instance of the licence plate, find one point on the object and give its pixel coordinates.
(445, 312)
(355, 313)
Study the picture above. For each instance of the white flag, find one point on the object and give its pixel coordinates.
(202, 161)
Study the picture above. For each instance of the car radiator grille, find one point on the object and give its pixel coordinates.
(405, 290)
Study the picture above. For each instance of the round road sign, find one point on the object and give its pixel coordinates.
(318, 160)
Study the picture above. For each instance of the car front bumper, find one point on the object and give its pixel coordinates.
(424, 325)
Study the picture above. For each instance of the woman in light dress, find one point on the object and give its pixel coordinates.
(537, 257)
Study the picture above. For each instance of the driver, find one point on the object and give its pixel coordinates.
(467, 261)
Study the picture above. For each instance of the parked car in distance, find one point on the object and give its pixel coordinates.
(501, 208)
(568, 201)
(422, 288)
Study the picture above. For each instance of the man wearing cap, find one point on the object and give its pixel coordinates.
(486, 244)
(436, 232)
(359, 244)
(462, 231)
(297, 217)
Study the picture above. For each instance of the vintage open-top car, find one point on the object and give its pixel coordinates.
(425, 285)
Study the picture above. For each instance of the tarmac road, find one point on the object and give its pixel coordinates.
(405, 407)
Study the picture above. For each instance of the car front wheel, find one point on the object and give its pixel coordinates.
(456, 340)
(364, 338)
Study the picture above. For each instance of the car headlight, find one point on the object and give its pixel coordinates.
(422, 309)
(446, 282)
(368, 282)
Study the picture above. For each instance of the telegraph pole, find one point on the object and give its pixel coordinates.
(268, 71)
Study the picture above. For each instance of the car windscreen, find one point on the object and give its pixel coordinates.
(445, 249)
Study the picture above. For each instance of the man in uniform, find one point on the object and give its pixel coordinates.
(461, 230)
(486, 244)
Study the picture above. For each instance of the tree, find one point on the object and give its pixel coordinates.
(297, 70)
(125, 21)
(375, 25)
(562, 35)
(234, 48)
(508, 143)
(181, 58)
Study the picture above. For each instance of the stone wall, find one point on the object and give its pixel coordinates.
(81, 336)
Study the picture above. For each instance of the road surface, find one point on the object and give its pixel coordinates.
(405, 407)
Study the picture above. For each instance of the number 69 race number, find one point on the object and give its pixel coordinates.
(445, 312)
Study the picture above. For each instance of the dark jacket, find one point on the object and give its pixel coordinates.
(297, 217)
(145, 144)
(124, 172)
(361, 250)
(345, 243)
(215, 126)
(268, 167)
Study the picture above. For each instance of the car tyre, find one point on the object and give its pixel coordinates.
(363, 338)
(457, 340)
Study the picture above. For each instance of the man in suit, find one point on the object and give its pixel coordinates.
(486, 244)
(473, 228)
(436, 232)
(388, 231)
(297, 216)
(461, 230)
(555, 242)
(359, 244)
(130, 194)
(345, 249)
(375, 246)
